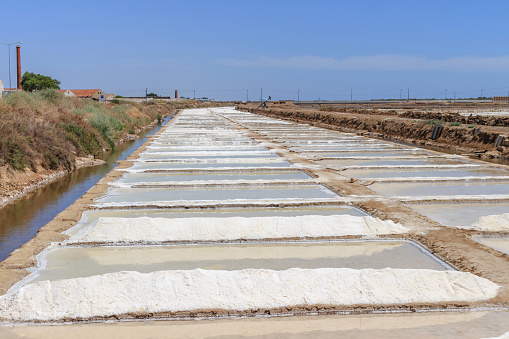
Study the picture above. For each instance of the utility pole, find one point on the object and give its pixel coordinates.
(9, 48)
(445, 96)
(454, 96)
(194, 94)
(351, 94)
(146, 97)
(261, 94)
(247, 95)
(408, 98)
(298, 95)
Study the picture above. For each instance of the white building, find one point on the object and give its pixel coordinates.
(67, 92)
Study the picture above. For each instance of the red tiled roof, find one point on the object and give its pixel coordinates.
(84, 93)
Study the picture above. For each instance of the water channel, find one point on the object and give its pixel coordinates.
(21, 220)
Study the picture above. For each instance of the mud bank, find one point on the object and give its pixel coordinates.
(455, 138)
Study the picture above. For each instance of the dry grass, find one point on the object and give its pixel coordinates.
(46, 129)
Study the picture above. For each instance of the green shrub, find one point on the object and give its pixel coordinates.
(471, 126)
(455, 123)
(85, 141)
(432, 122)
(106, 125)
(53, 96)
(52, 160)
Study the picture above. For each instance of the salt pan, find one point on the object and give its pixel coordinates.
(147, 229)
(250, 289)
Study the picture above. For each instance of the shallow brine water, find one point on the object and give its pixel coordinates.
(135, 178)
(424, 173)
(379, 153)
(65, 263)
(173, 165)
(399, 162)
(440, 189)
(500, 244)
(459, 214)
(419, 325)
(125, 195)
(237, 155)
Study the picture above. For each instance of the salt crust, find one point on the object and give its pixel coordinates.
(491, 223)
(503, 336)
(146, 229)
(180, 290)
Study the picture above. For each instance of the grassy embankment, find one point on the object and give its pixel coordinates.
(47, 131)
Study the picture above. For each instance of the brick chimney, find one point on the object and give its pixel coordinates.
(19, 66)
(176, 94)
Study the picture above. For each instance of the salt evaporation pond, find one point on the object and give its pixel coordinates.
(169, 156)
(66, 263)
(469, 325)
(140, 195)
(375, 154)
(440, 189)
(459, 214)
(400, 162)
(175, 165)
(424, 173)
(137, 178)
(91, 216)
(198, 131)
(500, 244)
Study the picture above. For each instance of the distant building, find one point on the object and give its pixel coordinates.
(67, 92)
(500, 98)
(95, 94)
(6, 91)
(109, 97)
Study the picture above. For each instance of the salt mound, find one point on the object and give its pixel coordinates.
(250, 289)
(491, 223)
(503, 336)
(146, 229)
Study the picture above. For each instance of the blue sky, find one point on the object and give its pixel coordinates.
(221, 48)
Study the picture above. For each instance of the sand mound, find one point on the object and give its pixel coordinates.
(147, 229)
(250, 289)
(491, 223)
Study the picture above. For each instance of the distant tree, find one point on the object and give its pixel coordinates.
(35, 82)
(152, 95)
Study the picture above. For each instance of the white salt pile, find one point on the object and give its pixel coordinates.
(503, 336)
(250, 289)
(491, 223)
(147, 229)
